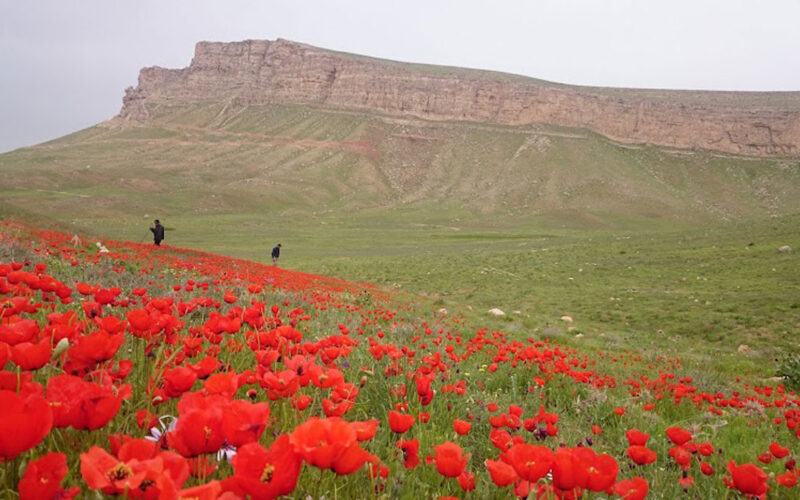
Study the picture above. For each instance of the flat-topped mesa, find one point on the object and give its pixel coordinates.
(281, 71)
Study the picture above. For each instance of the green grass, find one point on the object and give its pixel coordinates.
(695, 293)
(578, 405)
(546, 221)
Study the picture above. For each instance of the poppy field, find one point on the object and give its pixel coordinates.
(166, 373)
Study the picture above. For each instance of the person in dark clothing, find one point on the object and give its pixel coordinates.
(276, 252)
(158, 232)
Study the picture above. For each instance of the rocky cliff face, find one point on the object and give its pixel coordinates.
(262, 72)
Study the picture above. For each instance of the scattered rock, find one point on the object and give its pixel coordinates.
(497, 313)
(579, 336)
(443, 311)
(549, 331)
(566, 319)
(785, 249)
(744, 349)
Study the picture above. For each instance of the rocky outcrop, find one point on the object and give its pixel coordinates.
(263, 72)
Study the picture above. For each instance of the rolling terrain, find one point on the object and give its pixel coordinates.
(295, 161)
(243, 149)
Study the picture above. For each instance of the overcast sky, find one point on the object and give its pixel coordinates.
(64, 64)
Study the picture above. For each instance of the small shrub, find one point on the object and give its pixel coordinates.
(789, 369)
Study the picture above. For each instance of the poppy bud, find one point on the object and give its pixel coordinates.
(62, 346)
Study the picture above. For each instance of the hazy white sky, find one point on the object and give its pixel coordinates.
(64, 64)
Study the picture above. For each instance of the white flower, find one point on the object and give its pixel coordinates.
(167, 423)
(227, 452)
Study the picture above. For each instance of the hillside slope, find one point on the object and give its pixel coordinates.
(251, 136)
(215, 159)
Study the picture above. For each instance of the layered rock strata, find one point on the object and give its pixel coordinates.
(264, 72)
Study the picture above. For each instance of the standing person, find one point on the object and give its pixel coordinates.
(158, 232)
(276, 252)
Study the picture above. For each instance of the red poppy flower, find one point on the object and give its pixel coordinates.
(43, 479)
(747, 478)
(705, 449)
(281, 385)
(139, 320)
(103, 471)
(222, 383)
(706, 468)
(178, 380)
(199, 427)
(377, 470)
(632, 489)
(678, 435)
(26, 420)
(18, 330)
(531, 462)
(500, 439)
(641, 454)
(329, 443)
(410, 452)
(91, 349)
(637, 437)
(461, 427)
(244, 422)
(777, 450)
(400, 422)
(81, 404)
(450, 460)
(467, 481)
(365, 430)
(788, 479)
(105, 296)
(325, 378)
(208, 491)
(601, 470)
(146, 420)
(681, 456)
(31, 356)
(301, 401)
(502, 473)
(424, 392)
(569, 470)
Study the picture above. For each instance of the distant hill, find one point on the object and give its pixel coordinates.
(262, 127)
(267, 72)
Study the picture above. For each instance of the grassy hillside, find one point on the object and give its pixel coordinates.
(630, 241)
(286, 162)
